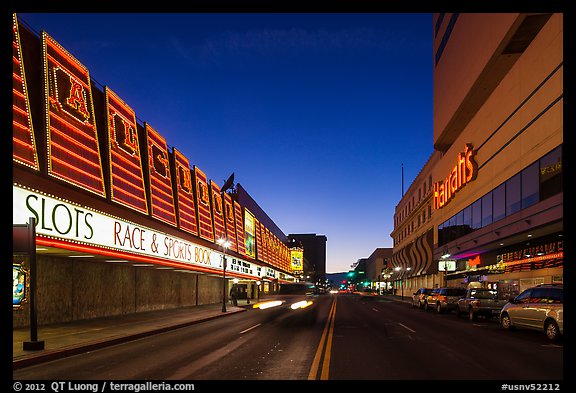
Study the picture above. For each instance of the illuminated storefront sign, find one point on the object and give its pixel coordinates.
(59, 219)
(126, 174)
(205, 229)
(20, 285)
(249, 234)
(73, 151)
(162, 199)
(463, 172)
(446, 266)
(296, 258)
(185, 194)
(23, 142)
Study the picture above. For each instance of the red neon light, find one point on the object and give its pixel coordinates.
(24, 144)
(73, 150)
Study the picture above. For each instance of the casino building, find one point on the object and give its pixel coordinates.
(496, 185)
(123, 223)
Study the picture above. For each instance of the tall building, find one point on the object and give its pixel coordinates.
(314, 254)
(497, 189)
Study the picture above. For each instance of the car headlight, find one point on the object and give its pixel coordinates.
(301, 304)
(268, 304)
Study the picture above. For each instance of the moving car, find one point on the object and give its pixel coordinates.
(538, 308)
(444, 299)
(480, 301)
(291, 296)
(419, 297)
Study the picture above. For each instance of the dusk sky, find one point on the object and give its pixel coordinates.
(314, 113)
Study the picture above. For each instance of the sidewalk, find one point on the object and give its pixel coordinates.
(72, 338)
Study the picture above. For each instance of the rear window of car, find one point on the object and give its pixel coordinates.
(484, 294)
(455, 291)
(296, 289)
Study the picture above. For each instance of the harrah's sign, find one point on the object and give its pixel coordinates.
(463, 172)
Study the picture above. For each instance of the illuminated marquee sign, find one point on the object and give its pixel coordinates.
(463, 172)
(23, 142)
(162, 199)
(446, 266)
(79, 225)
(58, 219)
(296, 260)
(205, 229)
(249, 233)
(126, 174)
(230, 224)
(239, 228)
(185, 194)
(73, 151)
(217, 211)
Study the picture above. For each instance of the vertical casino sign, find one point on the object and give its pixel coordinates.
(73, 151)
(230, 222)
(185, 194)
(205, 229)
(160, 179)
(217, 211)
(126, 174)
(239, 228)
(23, 142)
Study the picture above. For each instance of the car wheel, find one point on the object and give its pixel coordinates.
(425, 306)
(506, 322)
(471, 315)
(552, 330)
(420, 305)
(438, 308)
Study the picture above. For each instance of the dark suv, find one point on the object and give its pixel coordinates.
(540, 308)
(444, 299)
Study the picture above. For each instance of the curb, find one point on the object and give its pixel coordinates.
(49, 355)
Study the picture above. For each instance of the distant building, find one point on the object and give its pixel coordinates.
(314, 254)
(376, 267)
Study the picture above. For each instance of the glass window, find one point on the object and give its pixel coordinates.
(467, 217)
(441, 234)
(551, 173)
(460, 224)
(513, 195)
(487, 209)
(555, 295)
(539, 295)
(524, 297)
(499, 202)
(530, 185)
(477, 214)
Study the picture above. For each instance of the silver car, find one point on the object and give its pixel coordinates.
(540, 308)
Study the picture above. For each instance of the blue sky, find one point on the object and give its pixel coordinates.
(314, 113)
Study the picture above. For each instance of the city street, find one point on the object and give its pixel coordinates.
(352, 338)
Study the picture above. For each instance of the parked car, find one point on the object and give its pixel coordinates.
(444, 299)
(480, 301)
(540, 308)
(419, 297)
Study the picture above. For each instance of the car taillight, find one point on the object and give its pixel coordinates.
(442, 298)
(475, 303)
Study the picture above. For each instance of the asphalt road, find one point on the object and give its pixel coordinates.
(350, 338)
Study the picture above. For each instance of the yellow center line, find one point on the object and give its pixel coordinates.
(328, 332)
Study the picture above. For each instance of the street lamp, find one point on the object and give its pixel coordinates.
(258, 292)
(398, 268)
(224, 243)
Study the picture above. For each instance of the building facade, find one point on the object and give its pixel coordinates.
(314, 254)
(122, 223)
(497, 189)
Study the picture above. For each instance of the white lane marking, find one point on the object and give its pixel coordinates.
(406, 327)
(375, 309)
(250, 328)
